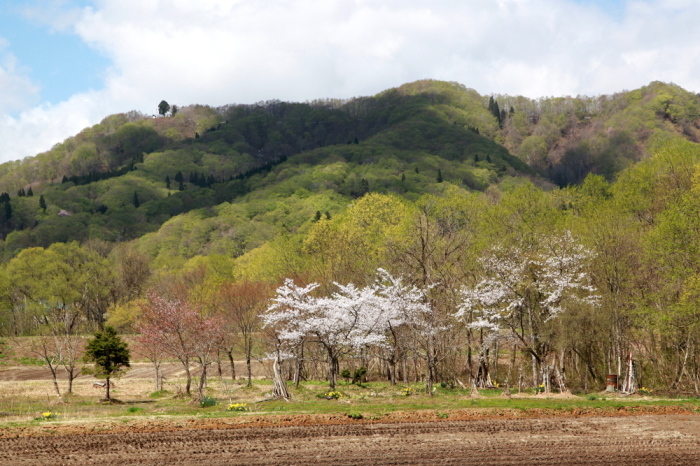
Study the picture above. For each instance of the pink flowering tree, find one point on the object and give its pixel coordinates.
(180, 330)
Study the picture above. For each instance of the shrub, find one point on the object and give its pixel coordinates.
(47, 416)
(334, 395)
(354, 415)
(207, 401)
(644, 391)
(237, 407)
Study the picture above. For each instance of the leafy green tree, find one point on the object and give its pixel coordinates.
(109, 353)
(163, 107)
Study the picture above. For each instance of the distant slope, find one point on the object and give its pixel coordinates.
(246, 173)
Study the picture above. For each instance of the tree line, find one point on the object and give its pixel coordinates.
(515, 285)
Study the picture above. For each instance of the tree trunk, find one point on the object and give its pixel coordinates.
(107, 384)
(188, 384)
(72, 375)
(248, 352)
(202, 381)
(279, 385)
(332, 369)
(392, 370)
(229, 353)
(55, 380)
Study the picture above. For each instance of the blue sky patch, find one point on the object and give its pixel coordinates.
(58, 61)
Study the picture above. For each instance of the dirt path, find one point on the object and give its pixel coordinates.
(669, 439)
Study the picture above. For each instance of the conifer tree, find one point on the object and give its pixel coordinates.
(109, 353)
(137, 203)
(42, 203)
(30, 193)
(167, 181)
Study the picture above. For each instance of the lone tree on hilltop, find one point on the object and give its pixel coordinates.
(109, 353)
(163, 107)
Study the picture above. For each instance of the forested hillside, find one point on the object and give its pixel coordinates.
(556, 234)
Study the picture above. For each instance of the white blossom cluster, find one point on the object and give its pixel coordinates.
(351, 317)
(538, 283)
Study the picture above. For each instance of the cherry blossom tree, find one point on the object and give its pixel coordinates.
(524, 292)
(285, 325)
(180, 329)
(350, 319)
(402, 304)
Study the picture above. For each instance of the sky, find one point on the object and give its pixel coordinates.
(67, 64)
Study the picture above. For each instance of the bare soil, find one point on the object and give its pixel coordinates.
(466, 437)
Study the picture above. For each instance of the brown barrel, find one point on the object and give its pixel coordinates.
(611, 382)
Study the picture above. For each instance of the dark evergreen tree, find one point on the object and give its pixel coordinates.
(109, 353)
(403, 177)
(42, 203)
(167, 181)
(495, 111)
(163, 107)
(181, 186)
(8, 210)
(30, 193)
(317, 217)
(178, 177)
(328, 215)
(137, 203)
(439, 176)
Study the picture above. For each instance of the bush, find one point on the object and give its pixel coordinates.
(47, 416)
(354, 415)
(207, 401)
(334, 395)
(237, 407)
(644, 391)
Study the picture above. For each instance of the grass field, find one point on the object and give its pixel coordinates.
(23, 403)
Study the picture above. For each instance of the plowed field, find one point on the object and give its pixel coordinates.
(648, 439)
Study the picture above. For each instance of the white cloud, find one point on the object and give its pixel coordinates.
(17, 91)
(222, 51)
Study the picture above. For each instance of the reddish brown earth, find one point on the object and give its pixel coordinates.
(466, 437)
